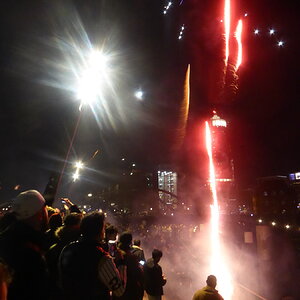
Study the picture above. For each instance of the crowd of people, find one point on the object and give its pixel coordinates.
(49, 254)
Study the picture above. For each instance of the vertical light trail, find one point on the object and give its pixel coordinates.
(217, 265)
(227, 18)
(238, 36)
(184, 111)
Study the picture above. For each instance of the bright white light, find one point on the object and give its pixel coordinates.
(280, 43)
(139, 94)
(273, 223)
(260, 221)
(123, 159)
(287, 226)
(150, 208)
(79, 165)
(75, 176)
(256, 31)
(271, 31)
(133, 164)
(90, 81)
(90, 195)
(246, 15)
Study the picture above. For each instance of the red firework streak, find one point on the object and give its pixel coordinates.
(238, 36)
(217, 264)
(227, 21)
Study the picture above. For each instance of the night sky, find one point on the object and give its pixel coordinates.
(39, 110)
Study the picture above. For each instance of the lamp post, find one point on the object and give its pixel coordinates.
(89, 89)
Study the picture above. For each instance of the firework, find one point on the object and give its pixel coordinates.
(184, 111)
(217, 264)
(227, 17)
(238, 36)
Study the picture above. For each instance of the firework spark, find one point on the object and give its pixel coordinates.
(238, 36)
(217, 265)
(181, 32)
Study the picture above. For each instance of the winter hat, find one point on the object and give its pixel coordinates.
(27, 204)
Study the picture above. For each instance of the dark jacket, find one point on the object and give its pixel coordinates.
(135, 285)
(64, 235)
(21, 247)
(154, 280)
(78, 264)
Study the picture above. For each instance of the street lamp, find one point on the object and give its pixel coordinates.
(139, 94)
(90, 81)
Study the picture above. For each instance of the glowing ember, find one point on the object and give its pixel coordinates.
(227, 28)
(217, 265)
(238, 36)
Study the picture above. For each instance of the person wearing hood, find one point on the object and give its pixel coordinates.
(154, 278)
(134, 287)
(22, 247)
(209, 292)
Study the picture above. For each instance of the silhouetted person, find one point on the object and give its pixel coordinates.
(154, 279)
(55, 221)
(209, 292)
(134, 286)
(21, 247)
(138, 251)
(87, 271)
(110, 240)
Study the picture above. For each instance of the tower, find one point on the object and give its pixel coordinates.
(224, 167)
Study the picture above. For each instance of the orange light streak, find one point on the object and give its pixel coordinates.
(238, 36)
(217, 265)
(227, 20)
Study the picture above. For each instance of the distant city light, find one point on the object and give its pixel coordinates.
(271, 31)
(273, 223)
(150, 208)
(90, 195)
(246, 15)
(133, 164)
(260, 221)
(256, 31)
(280, 44)
(287, 226)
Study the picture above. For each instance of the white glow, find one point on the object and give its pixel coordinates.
(219, 123)
(79, 165)
(256, 31)
(271, 31)
(273, 223)
(75, 176)
(139, 94)
(92, 77)
(133, 164)
(246, 15)
(260, 221)
(287, 226)
(90, 195)
(280, 43)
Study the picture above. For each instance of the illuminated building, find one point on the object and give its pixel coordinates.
(224, 167)
(167, 189)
